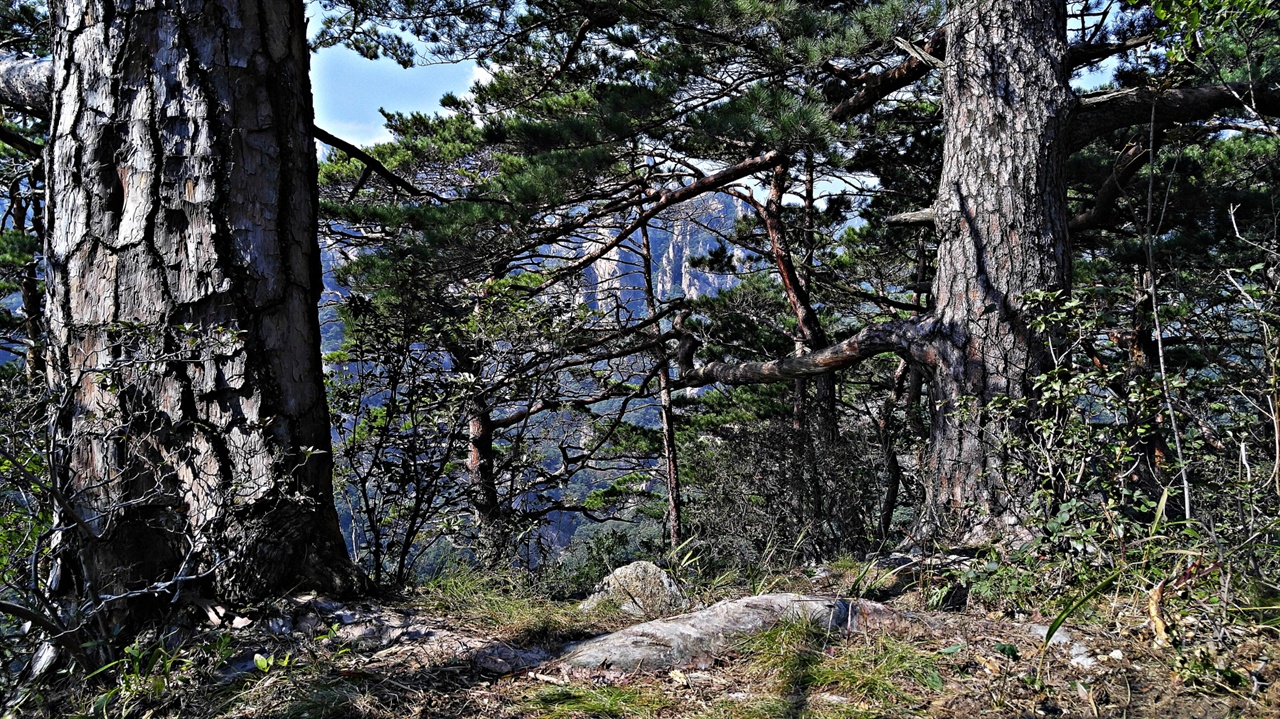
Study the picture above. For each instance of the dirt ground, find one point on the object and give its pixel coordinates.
(485, 656)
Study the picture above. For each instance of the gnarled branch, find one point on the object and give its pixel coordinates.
(915, 217)
(25, 83)
(896, 336)
(1104, 204)
(1100, 114)
(1081, 55)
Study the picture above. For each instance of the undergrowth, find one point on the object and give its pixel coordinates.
(797, 658)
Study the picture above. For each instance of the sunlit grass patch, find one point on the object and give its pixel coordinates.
(785, 653)
(638, 702)
(501, 604)
(776, 708)
(798, 660)
(877, 669)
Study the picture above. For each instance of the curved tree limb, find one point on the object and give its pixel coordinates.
(1081, 55)
(1100, 114)
(25, 83)
(20, 143)
(900, 337)
(1132, 159)
(881, 85)
(915, 217)
(372, 163)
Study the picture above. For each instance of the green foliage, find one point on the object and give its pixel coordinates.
(1195, 22)
(755, 484)
(141, 677)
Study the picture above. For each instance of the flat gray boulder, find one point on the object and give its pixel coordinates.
(696, 638)
(640, 589)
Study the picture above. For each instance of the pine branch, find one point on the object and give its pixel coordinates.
(902, 337)
(1103, 113)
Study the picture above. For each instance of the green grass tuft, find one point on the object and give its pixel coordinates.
(799, 659)
(612, 702)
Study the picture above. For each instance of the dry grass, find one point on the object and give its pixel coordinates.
(947, 664)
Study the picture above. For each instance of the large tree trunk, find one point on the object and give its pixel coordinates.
(191, 430)
(1001, 215)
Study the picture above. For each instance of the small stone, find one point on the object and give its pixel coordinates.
(1080, 656)
(1060, 636)
(640, 589)
(43, 660)
(279, 626)
(1116, 654)
(326, 606)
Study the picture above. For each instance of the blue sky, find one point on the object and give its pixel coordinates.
(349, 90)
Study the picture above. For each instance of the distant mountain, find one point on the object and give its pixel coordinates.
(674, 241)
(615, 278)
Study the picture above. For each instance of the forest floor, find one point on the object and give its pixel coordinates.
(470, 647)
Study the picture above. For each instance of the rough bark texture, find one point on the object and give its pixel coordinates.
(24, 83)
(1001, 215)
(183, 273)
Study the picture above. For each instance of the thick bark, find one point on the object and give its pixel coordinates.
(183, 273)
(1001, 215)
(24, 83)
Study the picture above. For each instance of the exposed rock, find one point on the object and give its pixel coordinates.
(279, 626)
(1060, 635)
(368, 635)
(326, 606)
(43, 660)
(695, 639)
(640, 589)
(239, 666)
(1080, 653)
